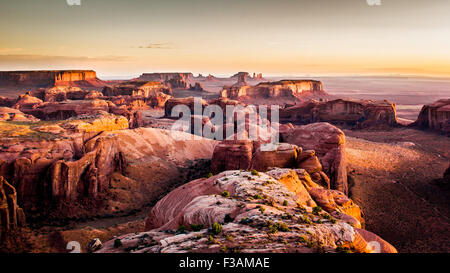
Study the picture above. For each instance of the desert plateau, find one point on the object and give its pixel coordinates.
(224, 128)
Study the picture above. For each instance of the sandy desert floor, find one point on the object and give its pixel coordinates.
(393, 176)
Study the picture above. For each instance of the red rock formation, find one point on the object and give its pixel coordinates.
(354, 113)
(60, 93)
(288, 90)
(11, 215)
(88, 175)
(171, 103)
(232, 155)
(80, 78)
(6, 102)
(69, 168)
(66, 109)
(174, 80)
(238, 210)
(435, 116)
(136, 89)
(283, 157)
(10, 114)
(241, 75)
(328, 142)
(26, 102)
(196, 87)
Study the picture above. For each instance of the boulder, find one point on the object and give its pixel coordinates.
(284, 156)
(232, 155)
(328, 142)
(335, 201)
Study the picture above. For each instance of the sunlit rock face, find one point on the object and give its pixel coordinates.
(174, 80)
(284, 89)
(94, 165)
(251, 212)
(82, 78)
(328, 143)
(353, 113)
(136, 88)
(435, 116)
(11, 215)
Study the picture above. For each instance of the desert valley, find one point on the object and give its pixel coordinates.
(95, 164)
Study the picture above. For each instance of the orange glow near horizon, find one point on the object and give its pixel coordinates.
(285, 37)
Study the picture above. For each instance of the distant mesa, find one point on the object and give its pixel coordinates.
(289, 90)
(136, 88)
(50, 78)
(246, 75)
(435, 116)
(174, 80)
(347, 113)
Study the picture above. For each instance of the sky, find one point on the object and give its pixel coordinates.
(275, 37)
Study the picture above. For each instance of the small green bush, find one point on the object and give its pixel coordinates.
(285, 203)
(226, 194)
(181, 229)
(228, 218)
(195, 227)
(216, 228)
(317, 210)
(117, 243)
(261, 209)
(257, 196)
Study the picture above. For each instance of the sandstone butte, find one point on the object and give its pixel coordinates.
(174, 80)
(287, 90)
(435, 116)
(81, 78)
(349, 113)
(252, 212)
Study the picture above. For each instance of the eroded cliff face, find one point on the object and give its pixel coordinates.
(353, 113)
(92, 164)
(435, 116)
(284, 88)
(174, 80)
(11, 215)
(82, 78)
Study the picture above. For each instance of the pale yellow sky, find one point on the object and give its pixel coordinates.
(283, 37)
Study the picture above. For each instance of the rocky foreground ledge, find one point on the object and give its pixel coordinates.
(281, 210)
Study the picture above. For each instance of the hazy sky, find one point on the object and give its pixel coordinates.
(275, 37)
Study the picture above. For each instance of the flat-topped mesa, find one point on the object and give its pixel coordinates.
(353, 113)
(136, 88)
(174, 80)
(80, 78)
(435, 116)
(291, 89)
